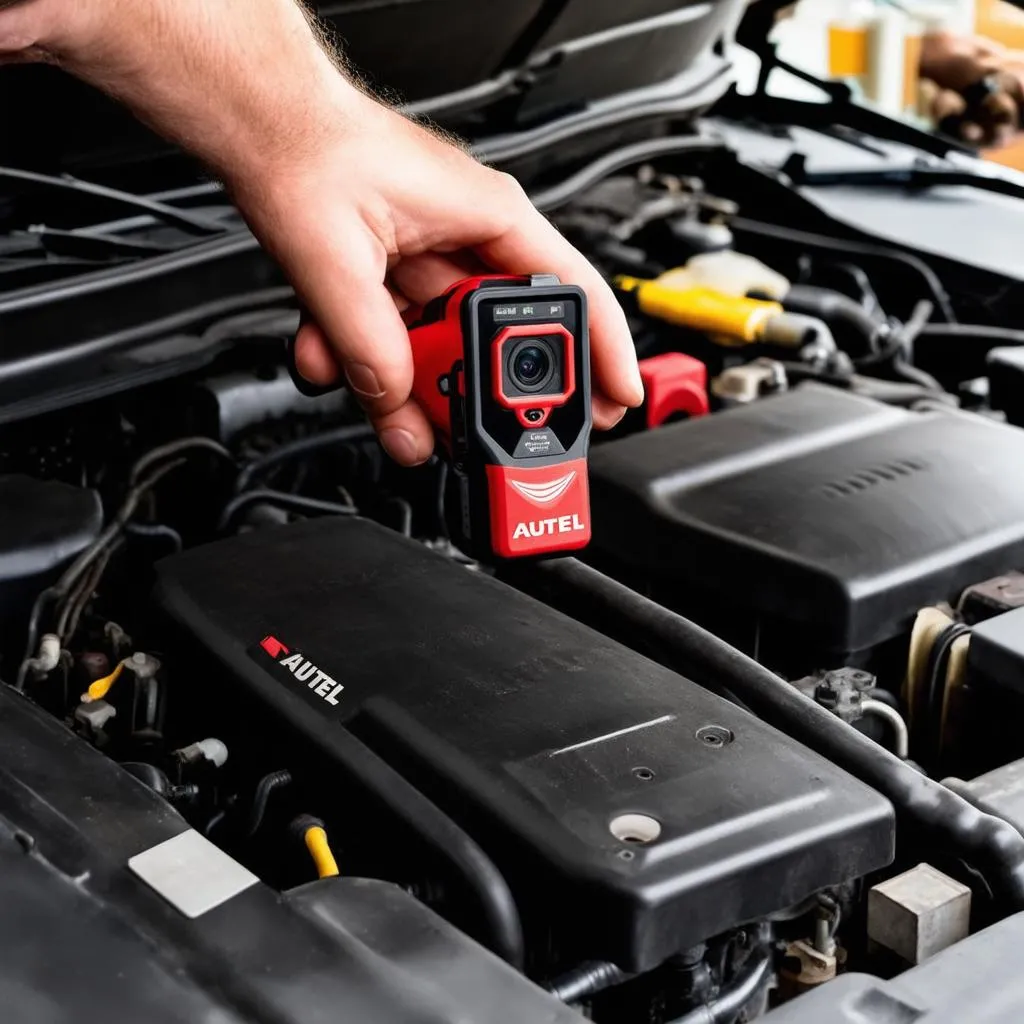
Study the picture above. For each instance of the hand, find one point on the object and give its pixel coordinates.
(953, 64)
(366, 212)
(388, 215)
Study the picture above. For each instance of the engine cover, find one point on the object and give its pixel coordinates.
(831, 517)
(531, 730)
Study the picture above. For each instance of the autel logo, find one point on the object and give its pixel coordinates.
(545, 494)
(303, 669)
(548, 527)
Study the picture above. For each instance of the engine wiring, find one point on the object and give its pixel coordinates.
(283, 500)
(62, 590)
(337, 436)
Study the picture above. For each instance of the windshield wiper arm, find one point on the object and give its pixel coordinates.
(912, 177)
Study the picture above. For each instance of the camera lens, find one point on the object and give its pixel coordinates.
(531, 365)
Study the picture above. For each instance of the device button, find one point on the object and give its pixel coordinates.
(544, 281)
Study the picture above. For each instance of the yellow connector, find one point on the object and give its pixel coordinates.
(730, 320)
(101, 687)
(320, 850)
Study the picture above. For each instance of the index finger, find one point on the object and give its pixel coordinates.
(533, 245)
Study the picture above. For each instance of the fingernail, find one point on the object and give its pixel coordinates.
(638, 390)
(362, 380)
(401, 446)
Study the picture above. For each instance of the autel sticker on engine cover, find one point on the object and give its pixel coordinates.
(295, 669)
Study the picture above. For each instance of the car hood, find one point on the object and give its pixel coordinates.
(481, 69)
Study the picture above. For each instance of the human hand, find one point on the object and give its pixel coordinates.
(367, 212)
(385, 217)
(976, 88)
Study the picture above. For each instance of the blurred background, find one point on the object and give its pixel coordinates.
(957, 65)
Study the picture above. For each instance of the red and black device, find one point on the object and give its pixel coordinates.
(502, 369)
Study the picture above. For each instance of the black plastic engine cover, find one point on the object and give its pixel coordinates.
(533, 731)
(817, 509)
(86, 939)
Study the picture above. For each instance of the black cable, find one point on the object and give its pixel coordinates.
(733, 997)
(987, 843)
(269, 784)
(935, 675)
(32, 633)
(862, 281)
(193, 223)
(60, 590)
(550, 199)
(156, 531)
(76, 604)
(283, 500)
(585, 981)
(835, 911)
(149, 775)
(909, 334)
(166, 451)
(487, 888)
(974, 332)
(405, 511)
(303, 446)
(812, 240)
(214, 821)
(152, 705)
(901, 341)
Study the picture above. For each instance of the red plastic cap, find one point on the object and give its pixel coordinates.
(674, 384)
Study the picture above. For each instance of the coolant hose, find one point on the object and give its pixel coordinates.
(261, 797)
(989, 844)
(855, 329)
(733, 997)
(586, 980)
(486, 885)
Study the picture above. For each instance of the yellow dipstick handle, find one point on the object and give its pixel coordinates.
(101, 687)
(731, 319)
(320, 850)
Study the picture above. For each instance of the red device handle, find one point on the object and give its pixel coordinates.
(437, 347)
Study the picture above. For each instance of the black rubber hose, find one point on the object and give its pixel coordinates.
(856, 331)
(149, 775)
(586, 980)
(264, 788)
(156, 531)
(733, 997)
(492, 898)
(974, 332)
(557, 196)
(280, 499)
(987, 843)
(845, 247)
(340, 435)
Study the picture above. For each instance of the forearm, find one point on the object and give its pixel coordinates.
(244, 84)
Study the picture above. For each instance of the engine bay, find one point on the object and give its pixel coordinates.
(757, 746)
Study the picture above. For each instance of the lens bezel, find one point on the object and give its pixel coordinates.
(550, 356)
